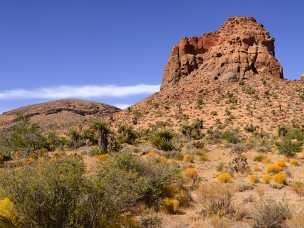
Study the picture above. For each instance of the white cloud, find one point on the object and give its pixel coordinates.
(88, 91)
(122, 106)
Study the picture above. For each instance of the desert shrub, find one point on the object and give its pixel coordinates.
(281, 163)
(280, 178)
(89, 136)
(217, 201)
(295, 133)
(75, 138)
(298, 187)
(238, 148)
(127, 134)
(7, 217)
(289, 147)
(150, 221)
(45, 195)
(163, 140)
(170, 205)
(110, 193)
(156, 177)
(294, 162)
(224, 177)
(266, 178)
(193, 131)
(96, 151)
(214, 135)
(231, 136)
(259, 158)
(23, 137)
(53, 141)
(253, 179)
(58, 193)
(250, 128)
(270, 214)
(273, 168)
(291, 142)
(239, 164)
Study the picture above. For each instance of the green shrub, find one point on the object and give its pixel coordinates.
(193, 131)
(53, 141)
(155, 177)
(163, 140)
(127, 135)
(288, 147)
(96, 151)
(89, 136)
(232, 136)
(23, 137)
(75, 138)
(45, 195)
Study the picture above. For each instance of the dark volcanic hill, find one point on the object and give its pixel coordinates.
(227, 78)
(61, 114)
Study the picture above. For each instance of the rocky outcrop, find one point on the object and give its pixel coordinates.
(241, 48)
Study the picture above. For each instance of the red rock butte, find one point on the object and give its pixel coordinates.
(240, 49)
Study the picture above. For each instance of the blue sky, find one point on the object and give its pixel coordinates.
(46, 46)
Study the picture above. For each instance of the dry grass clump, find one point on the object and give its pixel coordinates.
(296, 221)
(217, 200)
(259, 158)
(224, 177)
(298, 187)
(188, 158)
(294, 162)
(219, 222)
(270, 214)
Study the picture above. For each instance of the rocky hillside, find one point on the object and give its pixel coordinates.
(227, 78)
(61, 114)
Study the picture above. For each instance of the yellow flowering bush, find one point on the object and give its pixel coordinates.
(190, 172)
(6, 211)
(273, 168)
(294, 162)
(280, 178)
(170, 205)
(253, 179)
(266, 178)
(102, 157)
(224, 177)
(281, 163)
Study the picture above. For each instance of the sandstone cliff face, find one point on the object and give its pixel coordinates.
(240, 49)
